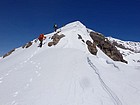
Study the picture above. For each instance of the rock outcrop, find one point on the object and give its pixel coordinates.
(56, 38)
(107, 47)
(27, 45)
(80, 37)
(7, 54)
(91, 47)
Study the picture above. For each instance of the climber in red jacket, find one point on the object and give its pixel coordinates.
(41, 38)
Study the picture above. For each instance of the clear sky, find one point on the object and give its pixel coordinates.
(23, 20)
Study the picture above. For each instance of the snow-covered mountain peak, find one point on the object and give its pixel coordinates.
(75, 36)
(74, 24)
(63, 72)
(75, 27)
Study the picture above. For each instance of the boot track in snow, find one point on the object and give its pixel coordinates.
(112, 95)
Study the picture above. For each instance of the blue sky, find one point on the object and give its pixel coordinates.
(23, 20)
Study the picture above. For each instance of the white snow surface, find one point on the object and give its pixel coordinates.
(67, 74)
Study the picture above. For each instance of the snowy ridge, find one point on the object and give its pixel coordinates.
(71, 32)
(133, 46)
(130, 50)
(67, 74)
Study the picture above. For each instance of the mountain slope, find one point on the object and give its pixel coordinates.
(133, 46)
(130, 50)
(67, 74)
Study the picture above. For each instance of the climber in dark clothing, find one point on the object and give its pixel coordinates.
(55, 27)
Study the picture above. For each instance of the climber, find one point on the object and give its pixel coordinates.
(55, 27)
(41, 38)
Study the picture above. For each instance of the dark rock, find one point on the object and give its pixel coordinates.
(80, 37)
(27, 45)
(50, 44)
(107, 47)
(7, 54)
(91, 47)
(88, 42)
(56, 38)
(83, 41)
(97, 37)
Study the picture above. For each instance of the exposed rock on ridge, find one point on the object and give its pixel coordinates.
(91, 47)
(10, 52)
(107, 47)
(27, 45)
(56, 39)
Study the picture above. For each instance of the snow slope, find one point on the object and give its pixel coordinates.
(67, 74)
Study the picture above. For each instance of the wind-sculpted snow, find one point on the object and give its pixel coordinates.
(109, 62)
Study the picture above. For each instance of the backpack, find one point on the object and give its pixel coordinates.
(41, 36)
